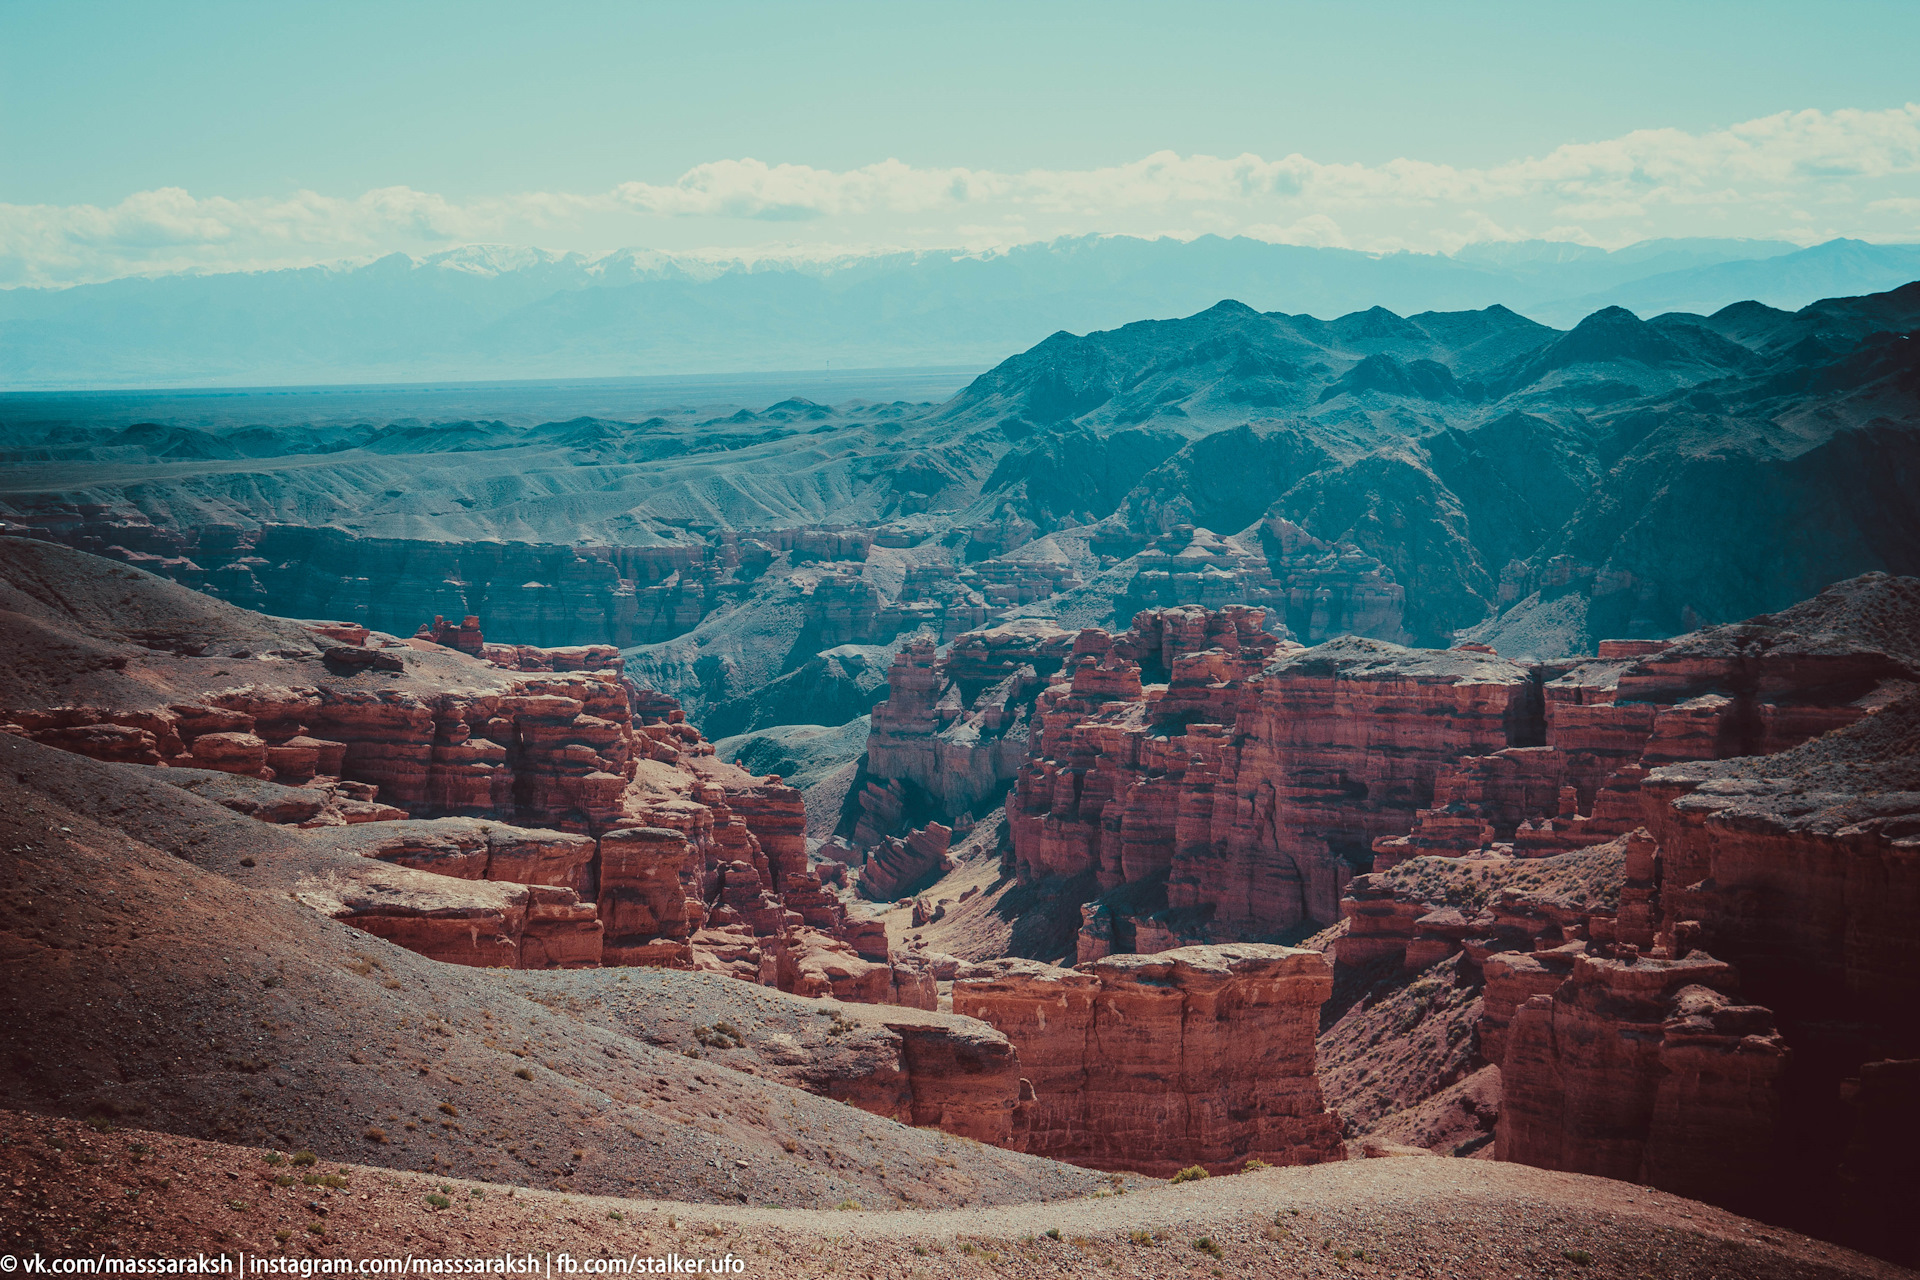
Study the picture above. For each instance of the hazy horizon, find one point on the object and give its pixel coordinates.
(822, 130)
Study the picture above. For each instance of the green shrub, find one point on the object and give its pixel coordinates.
(1192, 1173)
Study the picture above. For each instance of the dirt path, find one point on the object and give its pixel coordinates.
(70, 1190)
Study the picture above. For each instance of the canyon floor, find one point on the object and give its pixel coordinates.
(73, 1189)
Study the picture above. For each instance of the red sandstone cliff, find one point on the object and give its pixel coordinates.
(1711, 1029)
(957, 726)
(1202, 1055)
(1253, 775)
(630, 843)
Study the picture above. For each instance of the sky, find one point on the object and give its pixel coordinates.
(142, 138)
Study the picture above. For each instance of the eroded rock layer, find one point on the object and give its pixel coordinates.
(1200, 1055)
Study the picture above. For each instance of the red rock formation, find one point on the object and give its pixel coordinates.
(956, 726)
(562, 932)
(463, 635)
(231, 753)
(491, 924)
(893, 865)
(965, 1077)
(1202, 1055)
(1257, 779)
(1801, 869)
(1751, 688)
(642, 893)
(624, 802)
(1644, 1070)
(823, 965)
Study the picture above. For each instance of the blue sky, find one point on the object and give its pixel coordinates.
(141, 137)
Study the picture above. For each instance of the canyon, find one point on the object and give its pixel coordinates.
(1229, 742)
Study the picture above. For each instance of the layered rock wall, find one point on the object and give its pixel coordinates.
(1257, 776)
(957, 726)
(1201, 1055)
(1648, 1071)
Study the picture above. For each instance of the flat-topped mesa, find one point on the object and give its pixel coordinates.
(1649, 1071)
(956, 726)
(1801, 868)
(1258, 776)
(1520, 914)
(1200, 1055)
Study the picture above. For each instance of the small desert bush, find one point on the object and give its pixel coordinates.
(1208, 1246)
(304, 1158)
(437, 1200)
(1192, 1173)
(376, 1135)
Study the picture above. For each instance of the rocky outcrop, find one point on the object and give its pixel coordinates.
(642, 895)
(1254, 776)
(1646, 1070)
(546, 770)
(1803, 869)
(1709, 1026)
(1752, 688)
(488, 923)
(823, 965)
(956, 726)
(1201, 1055)
(471, 849)
(894, 865)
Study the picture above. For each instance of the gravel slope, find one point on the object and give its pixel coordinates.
(66, 1188)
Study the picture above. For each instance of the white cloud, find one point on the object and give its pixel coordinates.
(1754, 178)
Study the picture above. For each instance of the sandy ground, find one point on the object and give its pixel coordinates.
(70, 1190)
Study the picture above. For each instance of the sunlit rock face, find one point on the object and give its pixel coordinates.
(1201, 1055)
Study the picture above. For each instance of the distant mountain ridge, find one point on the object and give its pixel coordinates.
(1468, 472)
(494, 312)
